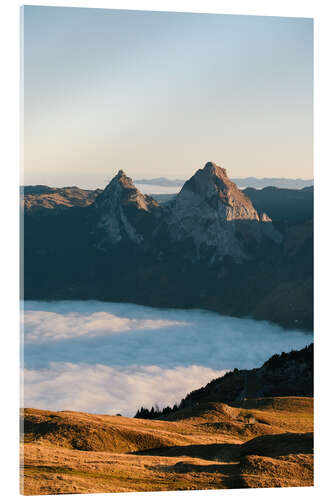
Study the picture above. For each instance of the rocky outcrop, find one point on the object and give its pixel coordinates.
(123, 212)
(217, 217)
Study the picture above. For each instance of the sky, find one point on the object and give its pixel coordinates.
(160, 94)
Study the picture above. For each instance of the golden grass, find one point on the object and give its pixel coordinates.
(72, 452)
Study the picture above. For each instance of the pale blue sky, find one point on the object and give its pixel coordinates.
(159, 94)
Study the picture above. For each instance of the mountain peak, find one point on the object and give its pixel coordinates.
(214, 169)
(213, 185)
(121, 190)
(122, 209)
(216, 215)
(123, 179)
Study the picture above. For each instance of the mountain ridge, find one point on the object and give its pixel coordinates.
(208, 247)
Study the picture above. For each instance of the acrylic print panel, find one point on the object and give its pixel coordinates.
(167, 202)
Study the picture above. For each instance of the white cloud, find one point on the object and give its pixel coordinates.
(45, 326)
(95, 356)
(126, 334)
(105, 389)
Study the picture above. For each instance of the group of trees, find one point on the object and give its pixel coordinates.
(155, 412)
(278, 360)
(191, 398)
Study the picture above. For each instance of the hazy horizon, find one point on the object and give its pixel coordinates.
(161, 93)
(148, 188)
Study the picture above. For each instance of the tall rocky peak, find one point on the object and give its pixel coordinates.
(217, 217)
(213, 185)
(124, 213)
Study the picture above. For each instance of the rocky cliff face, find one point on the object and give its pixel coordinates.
(123, 213)
(212, 212)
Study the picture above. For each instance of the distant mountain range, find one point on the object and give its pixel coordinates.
(211, 246)
(253, 182)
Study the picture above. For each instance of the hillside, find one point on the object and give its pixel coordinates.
(283, 205)
(286, 374)
(69, 452)
(203, 444)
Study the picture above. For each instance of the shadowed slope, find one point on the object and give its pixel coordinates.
(285, 374)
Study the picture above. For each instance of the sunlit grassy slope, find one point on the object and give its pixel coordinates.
(263, 442)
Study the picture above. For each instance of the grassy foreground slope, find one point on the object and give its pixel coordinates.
(260, 442)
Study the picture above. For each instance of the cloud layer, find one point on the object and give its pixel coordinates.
(105, 389)
(109, 357)
(46, 326)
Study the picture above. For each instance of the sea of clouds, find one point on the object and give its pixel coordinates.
(114, 358)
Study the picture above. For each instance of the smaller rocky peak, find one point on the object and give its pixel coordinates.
(121, 191)
(120, 184)
(123, 212)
